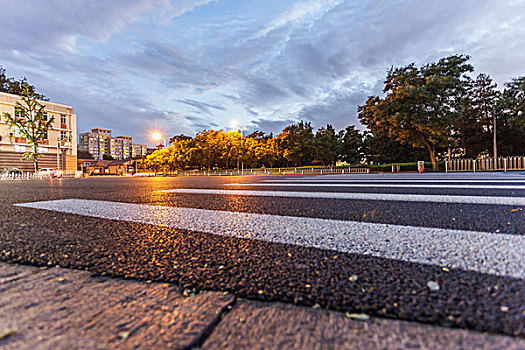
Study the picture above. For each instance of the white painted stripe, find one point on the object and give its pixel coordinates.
(365, 196)
(414, 176)
(521, 181)
(406, 185)
(498, 254)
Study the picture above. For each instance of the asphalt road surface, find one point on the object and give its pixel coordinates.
(440, 249)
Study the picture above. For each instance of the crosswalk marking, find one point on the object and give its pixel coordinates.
(360, 196)
(497, 254)
(405, 185)
(521, 181)
(485, 175)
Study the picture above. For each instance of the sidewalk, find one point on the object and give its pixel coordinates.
(59, 308)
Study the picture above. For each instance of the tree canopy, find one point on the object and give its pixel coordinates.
(296, 145)
(31, 123)
(420, 104)
(17, 87)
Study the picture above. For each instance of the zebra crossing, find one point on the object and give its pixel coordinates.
(383, 250)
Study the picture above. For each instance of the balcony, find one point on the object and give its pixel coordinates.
(20, 140)
(63, 126)
(43, 142)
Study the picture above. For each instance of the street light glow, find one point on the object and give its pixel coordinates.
(156, 136)
(234, 123)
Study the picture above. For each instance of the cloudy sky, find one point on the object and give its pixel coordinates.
(182, 66)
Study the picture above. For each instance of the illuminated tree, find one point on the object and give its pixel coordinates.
(31, 123)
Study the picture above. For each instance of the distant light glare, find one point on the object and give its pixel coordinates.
(234, 123)
(156, 136)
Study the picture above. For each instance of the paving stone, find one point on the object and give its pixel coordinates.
(258, 325)
(58, 308)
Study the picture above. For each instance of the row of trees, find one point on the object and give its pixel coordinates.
(296, 145)
(438, 106)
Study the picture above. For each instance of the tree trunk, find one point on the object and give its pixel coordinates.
(433, 157)
(35, 157)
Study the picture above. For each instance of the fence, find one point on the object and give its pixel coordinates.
(277, 171)
(37, 176)
(486, 164)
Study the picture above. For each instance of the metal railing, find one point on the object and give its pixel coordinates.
(267, 171)
(36, 176)
(486, 164)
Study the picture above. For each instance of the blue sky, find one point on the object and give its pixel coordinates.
(182, 66)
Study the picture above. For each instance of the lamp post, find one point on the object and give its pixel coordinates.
(58, 154)
(494, 139)
(235, 124)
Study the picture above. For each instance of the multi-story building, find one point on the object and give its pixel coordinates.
(139, 150)
(99, 142)
(123, 147)
(59, 149)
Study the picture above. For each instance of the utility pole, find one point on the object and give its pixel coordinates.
(58, 154)
(242, 154)
(495, 143)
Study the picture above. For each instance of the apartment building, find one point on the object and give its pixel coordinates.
(59, 149)
(123, 147)
(139, 150)
(99, 142)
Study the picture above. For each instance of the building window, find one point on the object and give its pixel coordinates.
(17, 132)
(18, 113)
(63, 119)
(19, 148)
(63, 136)
(44, 116)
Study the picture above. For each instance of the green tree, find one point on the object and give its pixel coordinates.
(351, 145)
(16, 87)
(475, 127)
(420, 104)
(31, 123)
(513, 103)
(84, 155)
(380, 148)
(296, 143)
(327, 146)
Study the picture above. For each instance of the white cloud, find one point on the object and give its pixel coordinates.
(308, 12)
(316, 60)
(179, 7)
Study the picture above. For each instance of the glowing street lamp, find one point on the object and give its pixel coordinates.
(157, 137)
(234, 123)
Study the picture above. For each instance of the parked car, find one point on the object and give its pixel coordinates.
(47, 171)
